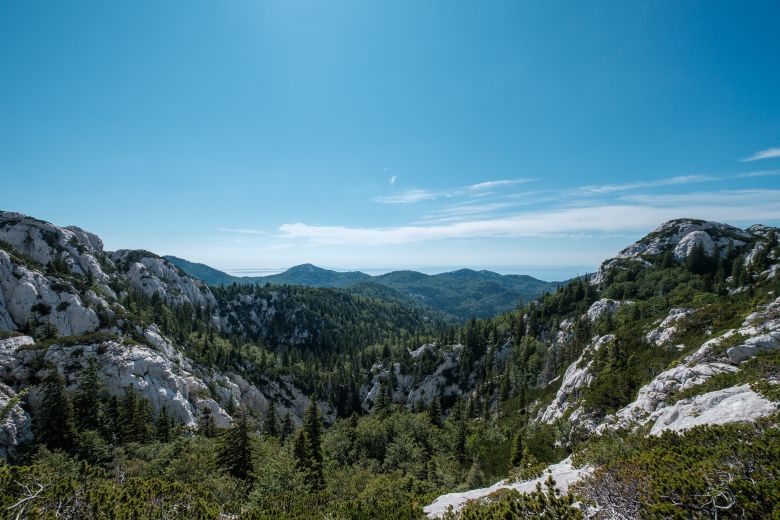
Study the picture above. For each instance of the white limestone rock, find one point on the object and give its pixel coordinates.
(680, 236)
(563, 473)
(755, 345)
(442, 383)
(27, 295)
(734, 404)
(44, 242)
(605, 305)
(577, 378)
(688, 232)
(15, 428)
(154, 275)
(691, 241)
(665, 330)
(653, 396)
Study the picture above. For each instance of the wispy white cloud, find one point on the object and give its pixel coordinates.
(611, 218)
(769, 153)
(495, 184)
(408, 197)
(671, 181)
(418, 195)
(759, 173)
(243, 231)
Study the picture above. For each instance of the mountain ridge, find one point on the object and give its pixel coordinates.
(462, 293)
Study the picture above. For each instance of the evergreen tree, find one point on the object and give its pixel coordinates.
(458, 417)
(516, 457)
(163, 426)
(308, 449)
(127, 419)
(381, 402)
(55, 425)
(503, 393)
(522, 398)
(287, 428)
(206, 425)
(110, 421)
(270, 420)
(87, 400)
(434, 412)
(234, 449)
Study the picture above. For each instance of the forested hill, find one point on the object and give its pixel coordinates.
(463, 293)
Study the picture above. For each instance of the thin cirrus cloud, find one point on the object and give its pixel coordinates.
(671, 181)
(243, 231)
(414, 195)
(769, 153)
(629, 214)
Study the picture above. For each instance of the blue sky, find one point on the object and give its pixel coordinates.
(535, 137)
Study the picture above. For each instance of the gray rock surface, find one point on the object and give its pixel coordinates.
(734, 404)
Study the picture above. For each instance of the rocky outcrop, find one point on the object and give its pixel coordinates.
(563, 473)
(665, 330)
(153, 275)
(441, 383)
(15, 423)
(654, 396)
(44, 242)
(576, 378)
(734, 404)
(155, 371)
(761, 330)
(679, 236)
(682, 235)
(27, 295)
(605, 305)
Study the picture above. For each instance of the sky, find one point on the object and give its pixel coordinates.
(536, 137)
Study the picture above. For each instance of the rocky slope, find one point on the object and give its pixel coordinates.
(58, 282)
(715, 381)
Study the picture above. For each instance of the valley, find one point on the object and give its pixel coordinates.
(134, 384)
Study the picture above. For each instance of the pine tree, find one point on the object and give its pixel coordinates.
(87, 400)
(312, 426)
(522, 398)
(127, 419)
(163, 426)
(458, 417)
(55, 425)
(300, 452)
(517, 451)
(110, 421)
(206, 426)
(142, 424)
(381, 403)
(503, 392)
(234, 449)
(434, 412)
(287, 428)
(270, 420)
